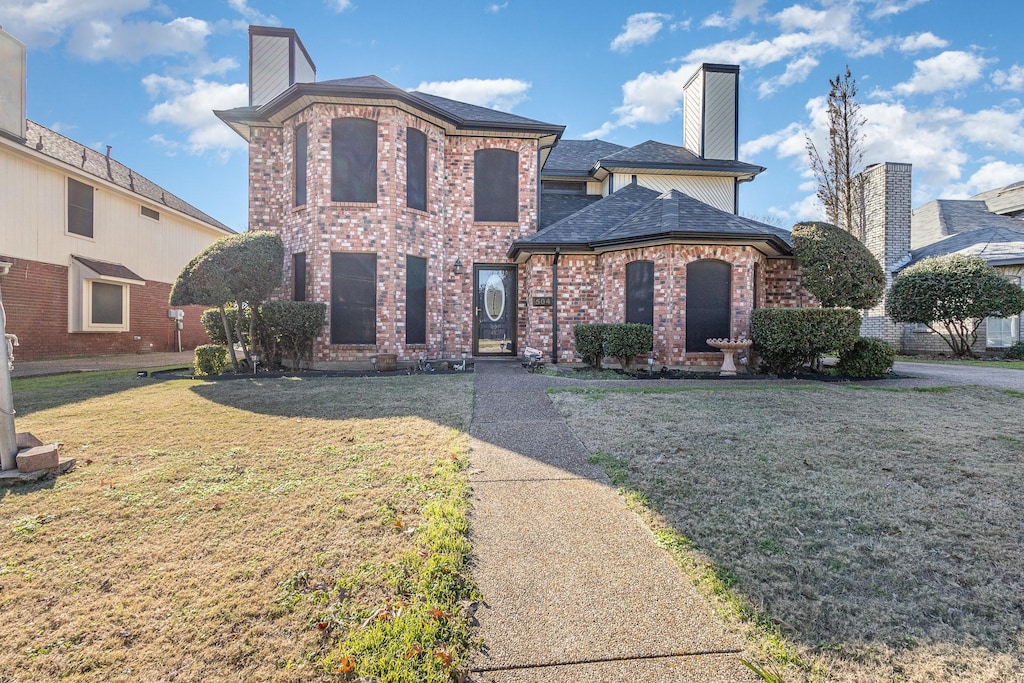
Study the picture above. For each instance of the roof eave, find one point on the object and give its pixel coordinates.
(746, 171)
(771, 243)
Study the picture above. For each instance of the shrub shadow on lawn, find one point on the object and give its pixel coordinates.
(880, 531)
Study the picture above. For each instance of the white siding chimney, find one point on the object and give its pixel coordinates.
(277, 60)
(711, 112)
(12, 86)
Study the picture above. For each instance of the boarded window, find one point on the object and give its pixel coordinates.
(354, 160)
(301, 149)
(107, 304)
(299, 269)
(416, 169)
(353, 298)
(80, 198)
(415, 300)
(496, 186)
(640, 292)
(708, 303)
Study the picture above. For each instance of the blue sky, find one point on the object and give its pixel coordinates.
(941, 81)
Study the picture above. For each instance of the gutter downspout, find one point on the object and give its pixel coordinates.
(554, 307)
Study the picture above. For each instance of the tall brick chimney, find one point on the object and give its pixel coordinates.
(884, 213)
(711, 112)
(277, 60)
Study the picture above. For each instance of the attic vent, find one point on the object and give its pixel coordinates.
(150, 213)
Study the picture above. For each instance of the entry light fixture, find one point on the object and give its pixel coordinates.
(458, 266)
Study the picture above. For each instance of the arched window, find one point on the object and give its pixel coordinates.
(640, 292)
(708, 303)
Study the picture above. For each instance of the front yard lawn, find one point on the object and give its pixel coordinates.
(878, 532)
(256, 530)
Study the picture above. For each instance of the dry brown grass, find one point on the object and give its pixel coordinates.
(190, 542)
(881, 530)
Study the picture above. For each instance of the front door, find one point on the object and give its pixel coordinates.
(494, 313)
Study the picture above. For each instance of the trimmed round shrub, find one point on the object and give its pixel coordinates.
(625, 341)
(1015, 352)
(589, 338)
(836, 267)
(789, 338)
(210, 359)
(867, 358)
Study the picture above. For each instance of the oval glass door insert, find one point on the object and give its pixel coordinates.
(494, 297)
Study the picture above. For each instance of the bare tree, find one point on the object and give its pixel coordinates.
(835, 174)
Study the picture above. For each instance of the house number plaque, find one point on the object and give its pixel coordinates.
(543, 301)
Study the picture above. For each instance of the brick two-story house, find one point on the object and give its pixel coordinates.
(435, 227)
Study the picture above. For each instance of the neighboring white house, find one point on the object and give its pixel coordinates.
(94, 245)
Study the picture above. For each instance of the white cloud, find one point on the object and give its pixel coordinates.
(922, 41)
(252, 15)
(640, 29)
(494, 7)
(43, 23)
(497, 93)
(749, 10)
(990, 176)
(995, 129)
(340, 5)
(715, 20)
(1009, 80)
(887, 8)
(950, 70)
(98, 39)
(797, 71)
(189, 105)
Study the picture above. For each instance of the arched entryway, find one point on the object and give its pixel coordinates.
(708, 303)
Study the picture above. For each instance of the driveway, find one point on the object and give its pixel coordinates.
(948, 373)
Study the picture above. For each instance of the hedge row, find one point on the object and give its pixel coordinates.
(622, 341)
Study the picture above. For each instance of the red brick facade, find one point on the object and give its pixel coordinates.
(35, 299)
(590, 287)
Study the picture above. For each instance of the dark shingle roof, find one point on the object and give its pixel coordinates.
(676, 213)
(88, 160)
(578, 157)
(108, 269)
(995, 245)
(555, 206)
(637, 214)
(461, 114)
(589, 223)
(658, 155)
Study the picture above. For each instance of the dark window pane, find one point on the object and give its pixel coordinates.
(640, 292)
(301, 144)
(354, 160)
(416, 169)
(708, 303)
(353, 298)
(415, 300)
(299, 268)
(496, 186)
(80, 197)
(107, 304)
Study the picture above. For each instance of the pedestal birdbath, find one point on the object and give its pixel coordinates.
(728, 347)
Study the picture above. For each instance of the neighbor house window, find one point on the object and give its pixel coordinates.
(640, 292)
(496, 186)
(354, 160)
(708, 303)
(1001, 333)
(80, 213)
(415, 300)
(353, 298)
(299, 271)
(107, 303)
(149, 213)
(416, 169)
(301, 148)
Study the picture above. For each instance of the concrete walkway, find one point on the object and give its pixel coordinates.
(574, 587)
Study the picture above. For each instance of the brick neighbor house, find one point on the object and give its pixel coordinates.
(434, 227)
(988, 225)
(93, 245)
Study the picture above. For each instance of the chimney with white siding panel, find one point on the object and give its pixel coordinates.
(277, 60)
(12, 86)
(711, 112)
